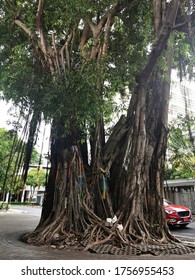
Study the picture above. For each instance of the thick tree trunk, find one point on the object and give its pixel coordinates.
(99, 175)
(65, 216)
(139, 182)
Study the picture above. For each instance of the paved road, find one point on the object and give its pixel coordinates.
(34, 211)
(189, 231)
(14, 223)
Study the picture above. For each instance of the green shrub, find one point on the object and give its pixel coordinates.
(4, 205)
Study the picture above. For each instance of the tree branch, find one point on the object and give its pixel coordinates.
(96, 29)
(84, 38)
(19, 23)
(40, 27)
(162, 41)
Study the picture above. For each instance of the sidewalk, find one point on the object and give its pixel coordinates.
(14, 223)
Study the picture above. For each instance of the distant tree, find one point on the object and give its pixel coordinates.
(6, 140)
(10, 179)
(35, 158)
(36, 178)
(181, 149)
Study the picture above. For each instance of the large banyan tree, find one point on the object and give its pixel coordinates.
(65, 61)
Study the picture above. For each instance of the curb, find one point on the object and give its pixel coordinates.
(17, 211)
(188, 241)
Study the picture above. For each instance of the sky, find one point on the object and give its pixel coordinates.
(5, 116)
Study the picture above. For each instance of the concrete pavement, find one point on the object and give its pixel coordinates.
(14, 223)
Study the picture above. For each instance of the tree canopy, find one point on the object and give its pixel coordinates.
(36, 177)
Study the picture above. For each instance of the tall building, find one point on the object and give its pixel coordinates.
(182, 99)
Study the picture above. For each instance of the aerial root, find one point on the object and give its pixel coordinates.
(100, 242)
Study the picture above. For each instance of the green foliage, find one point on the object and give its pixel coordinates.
(35, 157)
(87, 91)
(181, 162)
(16, 203)
(36, 177)
(184, 55)
(7, 139)
(4, 205)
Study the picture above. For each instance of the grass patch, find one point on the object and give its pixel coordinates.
(24, 204)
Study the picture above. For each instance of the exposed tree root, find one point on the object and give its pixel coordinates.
(99, 237)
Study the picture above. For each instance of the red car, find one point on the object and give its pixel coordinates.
(177, 214)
